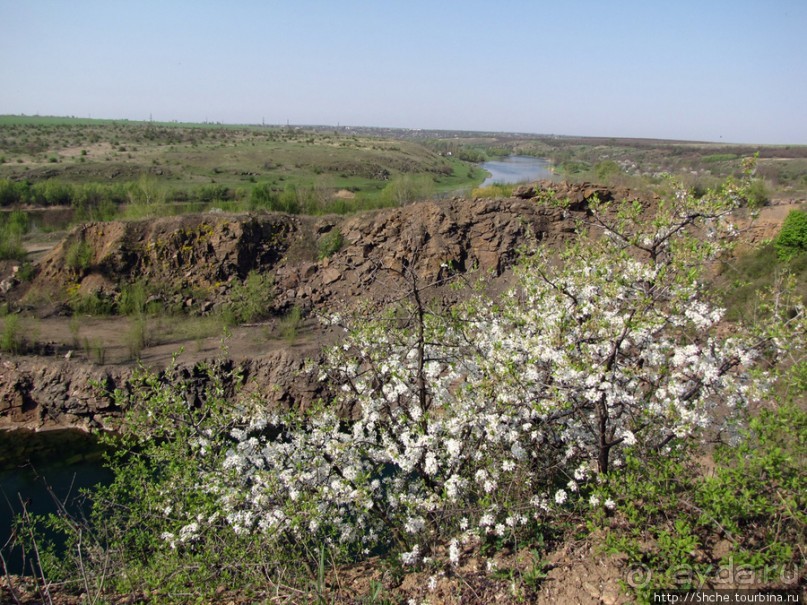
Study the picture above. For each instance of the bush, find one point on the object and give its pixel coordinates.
(330, 243)
(93, 202)
(17, 223)
(95, 303)
(666, 509)
(756, 194)
(52, 193)
(262, 196)
(792, 238)
(11, 248)
(136, 537)
(607, 169)
(13, 193)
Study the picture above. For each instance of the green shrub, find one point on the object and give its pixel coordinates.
(78, 257)
(756, 194)
(11, 248)
(330, 243)
(792, 238)
(754, 497)
(250, 300)
(12, 227)
(13, 192)
(135, 538)
(27, 272)
(407, 188)
(11, 338)
(52, 193)
(17, 223)
(262, 196)
(607, 169)
(93, 202)
(94, 303)
(133, 298)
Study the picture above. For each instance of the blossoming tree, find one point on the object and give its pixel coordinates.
(475, 420)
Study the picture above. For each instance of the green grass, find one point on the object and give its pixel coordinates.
(719, 157)
(107, 168)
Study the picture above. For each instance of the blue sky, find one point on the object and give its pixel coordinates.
(714, 70)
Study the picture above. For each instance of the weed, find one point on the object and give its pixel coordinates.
(137, 336)
(290, 324)
(75, 328)
(95, 350)
(754, 498)
(26, 272)
(11, 337)
(12, 227)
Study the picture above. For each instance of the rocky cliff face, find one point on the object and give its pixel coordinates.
(201, 256)
(46, 394)
(196, 260)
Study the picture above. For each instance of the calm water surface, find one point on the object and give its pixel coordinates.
(517, 169)
(36, 467)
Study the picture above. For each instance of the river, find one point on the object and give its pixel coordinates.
(517, 169)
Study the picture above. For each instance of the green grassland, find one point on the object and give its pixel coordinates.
(211, 163)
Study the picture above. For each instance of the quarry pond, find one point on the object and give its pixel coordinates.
(516, 169)
(36, 467)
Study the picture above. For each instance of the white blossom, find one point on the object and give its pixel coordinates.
(454, 552)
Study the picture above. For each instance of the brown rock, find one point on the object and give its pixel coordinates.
(330, 275)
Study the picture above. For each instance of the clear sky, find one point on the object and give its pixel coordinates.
(714, 70)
